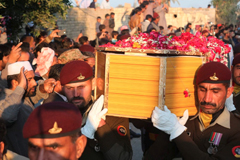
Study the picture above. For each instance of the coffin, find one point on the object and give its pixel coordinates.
(135, 81)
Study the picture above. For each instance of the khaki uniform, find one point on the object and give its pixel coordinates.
(112, 141)
(194, 142)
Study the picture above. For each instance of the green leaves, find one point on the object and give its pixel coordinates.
(41, 12)
(226, 10)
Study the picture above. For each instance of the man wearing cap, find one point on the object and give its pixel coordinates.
(214, 132)
(108, 137)
(53, 134)
(236, 80)
(154, 23)
(18, 102)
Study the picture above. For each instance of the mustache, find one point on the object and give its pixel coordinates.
(208, 103)
(77, 98)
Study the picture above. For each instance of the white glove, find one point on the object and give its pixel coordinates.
(167, 122)
(94, 118)
(229, 104)
(184, 118)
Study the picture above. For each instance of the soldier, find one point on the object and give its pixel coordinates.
(236, 80)
(108, 137)
(214, 132)
(53, 131)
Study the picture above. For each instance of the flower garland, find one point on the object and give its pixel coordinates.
(214, 48)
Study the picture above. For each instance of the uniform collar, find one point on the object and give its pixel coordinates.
(62, 96)
(222, 120)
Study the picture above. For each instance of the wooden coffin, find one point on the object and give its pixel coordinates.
(134, 85)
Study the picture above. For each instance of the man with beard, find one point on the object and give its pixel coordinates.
(18, 102)
(213, 133)
(108, 137)
(236, 80)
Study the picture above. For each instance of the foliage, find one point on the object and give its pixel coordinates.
(226, 10)
(42, 12)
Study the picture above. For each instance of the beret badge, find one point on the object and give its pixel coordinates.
(81, 77)
(214, 77)
(55, 129)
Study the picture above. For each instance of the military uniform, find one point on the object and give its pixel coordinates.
(111, 141)
(108, 142)
(194, 143)
(236, 101)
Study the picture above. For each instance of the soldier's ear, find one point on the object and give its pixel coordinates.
(229, 91)
(14, 84)
(80, 145)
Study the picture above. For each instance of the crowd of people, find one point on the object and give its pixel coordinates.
(47, 109)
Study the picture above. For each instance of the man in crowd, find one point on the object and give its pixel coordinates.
(106, 23)
(105, 4)
(154, 23)
(25, 56)
(146, 22)
(99, 129)
(98, 24)
(236, 80)
(57, 94)
(17, 102)
(85, 46)
(213, 133)
(53, 131)
(135, 20)
(111, 23)
(4, 54)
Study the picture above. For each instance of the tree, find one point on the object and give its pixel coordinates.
(42, 12)
(226, 10)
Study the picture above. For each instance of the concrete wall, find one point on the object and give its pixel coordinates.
(85, 19)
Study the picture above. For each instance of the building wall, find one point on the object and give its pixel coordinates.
(85, 19)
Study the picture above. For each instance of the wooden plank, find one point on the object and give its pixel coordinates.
(100, 74)
(148, 51)
(131, 105)
(133, 87)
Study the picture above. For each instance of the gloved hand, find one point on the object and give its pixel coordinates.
(184, 118)
(229, 104)
(94, 118)
(167, 122)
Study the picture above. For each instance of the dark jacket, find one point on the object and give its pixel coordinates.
(194, 142)
(236, 101)
(53, 97)
(112, 140)
(111, 23)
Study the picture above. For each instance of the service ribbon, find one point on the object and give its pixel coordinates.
(218, 139)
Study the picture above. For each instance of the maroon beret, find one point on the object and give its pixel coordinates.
(236, 60)
(155, 15)
(52, 120)
(75, 71)
(213, 72)
(86, 48)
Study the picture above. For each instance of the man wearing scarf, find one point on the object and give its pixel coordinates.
(213, 133)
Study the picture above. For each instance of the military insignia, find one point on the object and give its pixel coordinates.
(55, 129)
(81, 77)
(121, 130)
(214, 77)
(236, 151)
(214, 141)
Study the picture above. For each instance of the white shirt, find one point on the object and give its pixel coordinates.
(73, 3)
(105, 5)
(145, 25)
(85, 3)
